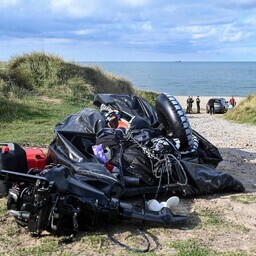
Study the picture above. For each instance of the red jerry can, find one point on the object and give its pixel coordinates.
(36, 158)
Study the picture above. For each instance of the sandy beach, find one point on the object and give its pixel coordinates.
(203, 100)
(236, 142)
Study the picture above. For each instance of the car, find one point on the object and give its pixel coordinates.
(220, 106)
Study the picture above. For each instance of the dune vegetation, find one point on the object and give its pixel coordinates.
(245, 112)
(37, 90)
(51, 76)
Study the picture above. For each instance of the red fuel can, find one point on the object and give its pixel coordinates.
(36, 158)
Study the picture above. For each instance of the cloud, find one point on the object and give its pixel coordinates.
(147, 27)
(38, 42)
(237, 4)
(75, 8)
(7, 3)
(135, 3)
(250, 20)
(231, 37)
(85, 32)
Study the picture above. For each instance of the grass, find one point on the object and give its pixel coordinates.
(36, 70)
(3, 209)
(36, 92)
(245, 112)
(214, 220)
(193, 247)
(48, 246)
(17, 241)
(32, 121)
(190, 247)
(244, 199)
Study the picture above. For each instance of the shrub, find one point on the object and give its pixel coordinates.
(244, 112)
(37, 72)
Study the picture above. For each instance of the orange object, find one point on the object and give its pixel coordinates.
(35, 158)
(5, 149)
(122, 124)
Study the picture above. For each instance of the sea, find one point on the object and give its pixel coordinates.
(187, 78)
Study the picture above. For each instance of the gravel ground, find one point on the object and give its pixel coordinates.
(236, 142)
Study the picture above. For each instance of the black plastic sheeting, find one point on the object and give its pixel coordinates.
(129, 106)
(191, 173)
(87, 120)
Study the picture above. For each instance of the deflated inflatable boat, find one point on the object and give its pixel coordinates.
(100, 156)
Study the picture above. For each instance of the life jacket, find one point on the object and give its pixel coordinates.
(123, 123)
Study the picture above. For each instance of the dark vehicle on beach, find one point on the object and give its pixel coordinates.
(220, 106)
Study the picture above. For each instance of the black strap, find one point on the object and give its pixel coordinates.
(114, 241)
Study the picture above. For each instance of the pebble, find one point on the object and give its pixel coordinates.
(223, 133)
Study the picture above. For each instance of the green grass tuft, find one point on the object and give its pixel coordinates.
(244, 199)
(193, 247)
(245, 112)
(190, 247)
(215, 220)
(3, 209)
(39, 90)
(48, 246)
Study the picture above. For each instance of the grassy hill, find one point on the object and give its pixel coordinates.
(39, 90)
(52, 76)
(245, 112)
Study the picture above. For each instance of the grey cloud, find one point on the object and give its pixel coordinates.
(148, 26)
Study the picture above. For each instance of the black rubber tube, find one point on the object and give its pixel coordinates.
(174, 119)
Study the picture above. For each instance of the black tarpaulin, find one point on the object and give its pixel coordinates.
(74, 138)
(87, 120)
(129, 106)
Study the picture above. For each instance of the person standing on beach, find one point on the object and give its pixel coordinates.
(211, 106)
(191, 104)
(188, 104)
(198, 104)
(232, 101)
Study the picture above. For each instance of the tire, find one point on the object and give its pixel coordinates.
(174, 120)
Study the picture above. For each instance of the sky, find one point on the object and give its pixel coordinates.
(130, 30)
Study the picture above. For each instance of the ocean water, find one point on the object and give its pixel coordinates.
(187, 78)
